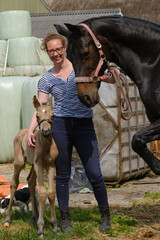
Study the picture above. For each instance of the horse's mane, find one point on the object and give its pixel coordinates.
(134, 33)
(124, 26)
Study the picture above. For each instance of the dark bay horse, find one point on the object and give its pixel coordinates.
(134, 45)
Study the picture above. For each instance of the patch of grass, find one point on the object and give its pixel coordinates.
(122, 223)
(28, 166)
(87, 229)
(134, 203)
(116, 185)
(152, 196)
(123, 220)
(85, 222)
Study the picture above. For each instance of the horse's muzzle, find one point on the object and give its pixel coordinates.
(86, 100)
(46, 132)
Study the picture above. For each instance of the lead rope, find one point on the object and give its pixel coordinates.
(122, 84)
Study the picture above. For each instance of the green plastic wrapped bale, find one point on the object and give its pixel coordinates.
(44, 58)
(15, 24)
(3, 46)
(22, 51)
(9, 71)
(1, 72)
(29, 89)
(31, 70)
(10, 112)
(6, 72)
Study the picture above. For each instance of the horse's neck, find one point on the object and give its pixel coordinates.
(135, 44)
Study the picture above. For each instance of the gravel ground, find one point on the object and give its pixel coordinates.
(128, 192)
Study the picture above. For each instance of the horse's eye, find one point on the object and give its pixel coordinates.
(86, 54)
(37, 118)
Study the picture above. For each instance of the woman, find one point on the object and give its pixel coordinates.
(72, 126)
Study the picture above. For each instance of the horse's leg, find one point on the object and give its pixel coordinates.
(18, 166)
(31, 179)
(42, 195)
(51, 197)
(139, 141)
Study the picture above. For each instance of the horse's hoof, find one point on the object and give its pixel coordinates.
(6, 224)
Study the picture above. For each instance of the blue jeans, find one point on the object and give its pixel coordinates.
(78, 132)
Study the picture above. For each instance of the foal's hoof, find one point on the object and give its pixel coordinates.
(56, 230)
(41, 235)
(6, 224)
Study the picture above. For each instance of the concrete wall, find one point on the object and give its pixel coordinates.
(33, 6)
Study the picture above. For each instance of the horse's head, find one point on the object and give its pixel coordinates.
(44, 116)
(85, 57)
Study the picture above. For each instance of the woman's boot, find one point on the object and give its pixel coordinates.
(105, 219)
(66, 225)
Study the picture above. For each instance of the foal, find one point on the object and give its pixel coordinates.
(42, 159)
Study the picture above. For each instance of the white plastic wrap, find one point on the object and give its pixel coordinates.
(29, 70)
(15, 24)
(29, 89)
(3, 45)
(22, 51)
(10, 112)
(44, 58)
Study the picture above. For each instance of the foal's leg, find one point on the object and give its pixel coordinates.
(32, 185)
(139, 141)
(51, 197)
(18, 166)
(42, 195)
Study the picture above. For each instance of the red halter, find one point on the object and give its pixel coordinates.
(95, 78)
(110, 76)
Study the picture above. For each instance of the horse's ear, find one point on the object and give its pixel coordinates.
(68, 32)
(73, 28)
(36, 104)
(63, 31)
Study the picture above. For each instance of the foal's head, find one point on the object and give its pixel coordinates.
(44, 116)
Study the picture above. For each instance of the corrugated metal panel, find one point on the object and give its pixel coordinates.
(35, 6)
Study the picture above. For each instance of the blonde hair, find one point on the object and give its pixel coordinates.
(51, 36)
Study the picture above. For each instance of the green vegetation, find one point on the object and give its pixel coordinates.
(85, 221)
(152, 196)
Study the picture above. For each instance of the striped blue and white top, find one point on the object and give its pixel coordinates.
(66, 101)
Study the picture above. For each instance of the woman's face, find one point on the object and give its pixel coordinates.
(56, 51)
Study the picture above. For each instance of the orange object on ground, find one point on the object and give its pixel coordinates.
(5, 187)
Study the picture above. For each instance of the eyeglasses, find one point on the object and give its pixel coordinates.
(57, 50)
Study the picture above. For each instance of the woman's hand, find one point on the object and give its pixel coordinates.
(31, 139)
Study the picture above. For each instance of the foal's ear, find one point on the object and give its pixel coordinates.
(50, 101)
(36, 104)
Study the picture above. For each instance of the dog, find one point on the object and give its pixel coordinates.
(21, 200)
